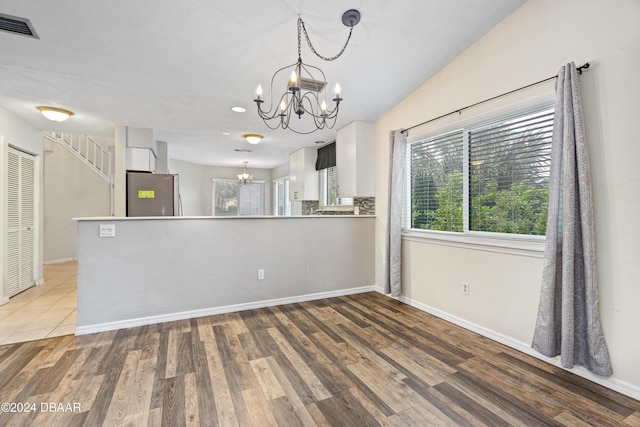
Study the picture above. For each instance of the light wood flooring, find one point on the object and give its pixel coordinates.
(361, 360)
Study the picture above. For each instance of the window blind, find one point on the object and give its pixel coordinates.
(509, 164)
(435, 169)
(502, 188)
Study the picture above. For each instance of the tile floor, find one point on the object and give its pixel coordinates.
(42, 311)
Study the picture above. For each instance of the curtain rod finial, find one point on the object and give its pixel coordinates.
(583, 67)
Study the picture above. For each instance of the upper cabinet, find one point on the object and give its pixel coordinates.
(140, 159)
(303, 177)
(141, 149)
(355, 153)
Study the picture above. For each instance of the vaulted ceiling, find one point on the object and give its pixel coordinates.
(179, 66)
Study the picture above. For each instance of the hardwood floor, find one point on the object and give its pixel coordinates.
(361, 360)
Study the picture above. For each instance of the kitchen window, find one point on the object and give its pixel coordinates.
(282, 205)
(329, 190)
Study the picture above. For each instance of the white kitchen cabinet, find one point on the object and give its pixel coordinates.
(355, 153)
(141, 149)
(140, 159)
(303, 177)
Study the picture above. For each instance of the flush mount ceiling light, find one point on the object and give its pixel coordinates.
(253, 138)
(245, 178)
(55, 114)
(304, 91)
(238, 109)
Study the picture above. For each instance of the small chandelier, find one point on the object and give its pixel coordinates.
(245, 178)
(304, 92)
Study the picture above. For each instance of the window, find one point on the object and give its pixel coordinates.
(230, 198)
(282, 205)
(490, 177)
(435, 172)
(329, 191)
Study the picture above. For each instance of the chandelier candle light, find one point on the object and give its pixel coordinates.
(304, 92)
(245, 178)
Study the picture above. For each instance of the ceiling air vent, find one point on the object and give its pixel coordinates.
(311, 84)
(17, 25)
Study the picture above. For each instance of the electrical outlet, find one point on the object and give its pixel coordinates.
(260, 274)
(465, 288)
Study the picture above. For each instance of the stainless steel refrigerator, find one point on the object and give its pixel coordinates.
(152, 194)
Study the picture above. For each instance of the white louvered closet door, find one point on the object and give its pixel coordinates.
(20, 221)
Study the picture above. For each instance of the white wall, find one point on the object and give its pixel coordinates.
(190, 178)
(71, 189)
(120, 172)
(280, 171)
(166, 268)
(19, 134)
(162, 161)
(528, 46)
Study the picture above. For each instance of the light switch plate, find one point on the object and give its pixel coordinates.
(107, 230)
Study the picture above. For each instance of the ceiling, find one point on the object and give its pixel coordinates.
(179, 66)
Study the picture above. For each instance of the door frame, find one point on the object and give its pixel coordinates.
(4, 298)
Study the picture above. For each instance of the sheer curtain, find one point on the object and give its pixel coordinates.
(568, 322)
(398, 144)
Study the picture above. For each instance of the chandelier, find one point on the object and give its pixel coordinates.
(245, 178)
(304, 92)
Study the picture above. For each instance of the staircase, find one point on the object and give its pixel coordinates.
(87, 150)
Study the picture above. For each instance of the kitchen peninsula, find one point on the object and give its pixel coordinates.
(153, 269)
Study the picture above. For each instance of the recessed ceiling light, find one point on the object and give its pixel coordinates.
(239, 109)
(226, 133)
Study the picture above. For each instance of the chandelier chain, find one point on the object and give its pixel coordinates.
(306, 36)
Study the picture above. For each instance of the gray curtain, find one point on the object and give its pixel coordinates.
(398, 144)
(568, 322)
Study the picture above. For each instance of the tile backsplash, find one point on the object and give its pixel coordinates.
(365, 205)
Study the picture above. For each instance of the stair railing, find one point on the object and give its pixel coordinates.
(86, 149)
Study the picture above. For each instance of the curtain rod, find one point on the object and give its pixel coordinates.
(459, 110)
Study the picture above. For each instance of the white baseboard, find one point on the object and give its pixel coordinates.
(60, 261)
(4, 300)
(611, 383)
(170, 317)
